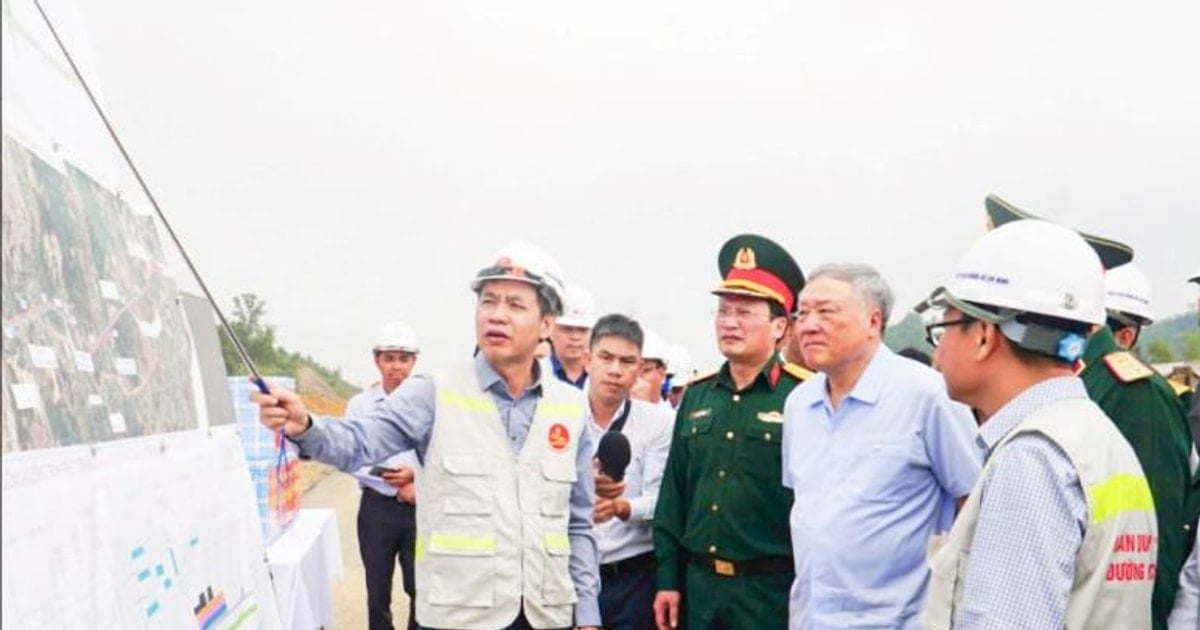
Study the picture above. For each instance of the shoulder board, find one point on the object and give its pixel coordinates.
(1126, 367)
(703, 377)
(801, 374)
(1180, 388)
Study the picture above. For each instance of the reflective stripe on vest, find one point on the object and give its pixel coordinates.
(470, 403)
(1117, 494)
(557, 542)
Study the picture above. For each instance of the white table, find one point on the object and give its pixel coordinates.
(304, 561)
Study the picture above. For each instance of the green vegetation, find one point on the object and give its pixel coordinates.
(258, 337)
(1175, 338)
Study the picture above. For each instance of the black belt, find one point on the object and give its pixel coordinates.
(729, 568)
(637, 563)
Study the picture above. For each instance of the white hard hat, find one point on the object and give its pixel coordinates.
(579, 307)
(527, 263)
(396, 336)
(1127, 295)
(1029, 267)
(653, 347)
(679, 366)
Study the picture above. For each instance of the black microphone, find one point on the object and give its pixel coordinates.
(614, 454)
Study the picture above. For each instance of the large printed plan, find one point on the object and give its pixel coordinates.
(118, 511)
(95, 345)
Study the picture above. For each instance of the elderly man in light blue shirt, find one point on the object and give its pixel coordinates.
(877, 455)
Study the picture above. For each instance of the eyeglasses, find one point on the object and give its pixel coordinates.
(935, 332)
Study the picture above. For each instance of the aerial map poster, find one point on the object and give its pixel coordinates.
(95, 342)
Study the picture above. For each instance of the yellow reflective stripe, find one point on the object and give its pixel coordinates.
(420, 547)
(557, 541)
(440, 542)
(470, 403)
(560, 409)
(1120, 493)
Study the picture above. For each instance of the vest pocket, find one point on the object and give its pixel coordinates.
(560, 475)
(557, 587)
(460, 568)
(470, 485)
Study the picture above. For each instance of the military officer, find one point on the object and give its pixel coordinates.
(721, 528)
(1149, 415)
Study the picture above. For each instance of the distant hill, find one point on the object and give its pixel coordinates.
(258, 338)
(1175, 338)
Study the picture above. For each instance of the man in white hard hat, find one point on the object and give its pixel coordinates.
(1127, 300)
(680, 372)
(1147, 410)
(569, 338)
(1060, 529)
(504, 520)
(655, 353)
(387, 515)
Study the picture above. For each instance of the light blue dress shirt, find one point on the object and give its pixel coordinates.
(360, 406)
(1032, 517)
(872, 481)
(405, 421)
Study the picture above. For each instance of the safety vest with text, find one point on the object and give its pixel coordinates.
(491, 526)
(1114, 565)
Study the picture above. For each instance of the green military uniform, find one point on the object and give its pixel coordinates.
(721, 532)
(1146, 410)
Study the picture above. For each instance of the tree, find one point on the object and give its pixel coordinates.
(1191, 346)
(257, 337)
(1159, 351)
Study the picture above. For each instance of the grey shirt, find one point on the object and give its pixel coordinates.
(405, 420)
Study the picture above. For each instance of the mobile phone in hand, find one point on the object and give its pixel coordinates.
(379, 470)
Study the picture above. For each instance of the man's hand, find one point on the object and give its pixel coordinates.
(587, 627)
(606, 488)
(402, 480)
(607, 508)
(666, 610)
(281, 409)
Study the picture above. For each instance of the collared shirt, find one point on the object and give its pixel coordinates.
(405, 421)
(1032, 518)
(648, 429)
(720, 495)
(872, 481)
(561, 374)
(360, 406)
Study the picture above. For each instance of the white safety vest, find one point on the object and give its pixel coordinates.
(1116, 562)
(491, 527)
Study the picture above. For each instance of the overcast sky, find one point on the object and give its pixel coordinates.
(357, 162)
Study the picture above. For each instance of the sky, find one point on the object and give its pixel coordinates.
(356, 163)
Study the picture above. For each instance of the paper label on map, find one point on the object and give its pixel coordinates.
(117, 421)
(136, 250)
(126, 366)
(151, 329)
(95, 400)
(43, 357)
(109, 290)
(26, 396)
(83, 361)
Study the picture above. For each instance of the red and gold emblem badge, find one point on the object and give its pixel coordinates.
(559, 437)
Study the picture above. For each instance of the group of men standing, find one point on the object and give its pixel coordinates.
(868, 492)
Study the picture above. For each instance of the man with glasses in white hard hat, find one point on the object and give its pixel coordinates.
(1059, 530)
(387, 513)
(504, 520)
(569, 338)
(653, 375)
(1127, 300)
